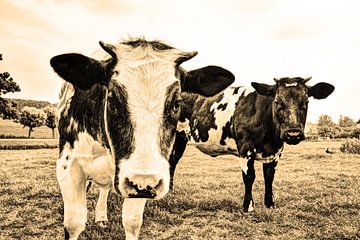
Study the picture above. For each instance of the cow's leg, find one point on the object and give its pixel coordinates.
(132, 217)
(72, 181)
(177, 152)
(269, 172)
(101, 207)
(248, 173)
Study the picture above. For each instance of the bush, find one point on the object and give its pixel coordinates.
(10, 136)
(351, 146)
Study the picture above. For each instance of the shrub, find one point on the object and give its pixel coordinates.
(351, 146)
(32, 118)
(9, 136)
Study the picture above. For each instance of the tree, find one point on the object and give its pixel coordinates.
(326, 126)
(8, 109)
(345, 121)
(50, 120)
(32, 118)
(7, 85)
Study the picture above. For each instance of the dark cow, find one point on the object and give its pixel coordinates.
(250, 123)
(117, 124)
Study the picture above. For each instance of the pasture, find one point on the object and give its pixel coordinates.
(317, 194)
(10, 128)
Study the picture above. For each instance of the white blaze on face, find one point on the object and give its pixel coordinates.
(146, 78)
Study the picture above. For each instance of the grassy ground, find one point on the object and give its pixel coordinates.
(28, 143)
(8, 127)
(317, 194)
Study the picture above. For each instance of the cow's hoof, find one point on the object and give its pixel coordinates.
(171, 187)
(271, 206)
(102, 224)
(248, 207)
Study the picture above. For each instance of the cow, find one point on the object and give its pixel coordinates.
(117, 125)
(250, 123)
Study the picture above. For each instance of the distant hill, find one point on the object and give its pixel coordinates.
(21, 103)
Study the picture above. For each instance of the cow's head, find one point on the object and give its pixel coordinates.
(290, 104)
(140, 85)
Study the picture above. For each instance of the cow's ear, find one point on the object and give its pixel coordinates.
(206, 81)
(78, 69)
(264, 89)
(321, 90)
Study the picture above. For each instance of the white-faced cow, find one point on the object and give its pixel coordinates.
(252, 124)
(117, 124)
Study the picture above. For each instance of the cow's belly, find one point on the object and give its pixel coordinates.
(215, 150)
(213, 147)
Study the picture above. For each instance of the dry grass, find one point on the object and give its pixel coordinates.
(11, 144)
(317, 194)
(8, 127)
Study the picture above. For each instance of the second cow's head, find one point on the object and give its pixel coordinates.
(140, 87)
(290, 104)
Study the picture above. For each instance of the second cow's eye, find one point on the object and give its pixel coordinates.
(177, 105)
(280, 105)
(303, 106)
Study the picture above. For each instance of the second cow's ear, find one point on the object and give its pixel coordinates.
(78, 69)
(206, 81)
(321, 90)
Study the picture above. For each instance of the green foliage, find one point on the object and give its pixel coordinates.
(351, 146)
(7, 85)
(50, 120)
(325, 120)
(21, 103)
(32, 118)
(345, 121)
(326, 126)
(8, 109)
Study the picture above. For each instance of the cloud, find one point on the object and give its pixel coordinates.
(11, 13)
(114, 7)
(256, 40)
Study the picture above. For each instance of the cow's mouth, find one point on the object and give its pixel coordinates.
(293, 136)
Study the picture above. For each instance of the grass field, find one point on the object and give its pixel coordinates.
(318, 196)
(28, 143)
(8, 127)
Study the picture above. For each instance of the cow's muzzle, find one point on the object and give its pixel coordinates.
(293, 136)
(140, 185)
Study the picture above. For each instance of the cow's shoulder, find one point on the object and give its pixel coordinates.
(253, 129)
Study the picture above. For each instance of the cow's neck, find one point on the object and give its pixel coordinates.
(272, 134)
(85, 115)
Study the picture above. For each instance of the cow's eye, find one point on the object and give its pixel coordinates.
(177, 105)
(303, 105)
(279, 105)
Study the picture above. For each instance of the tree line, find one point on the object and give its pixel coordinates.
(31, 117)
(345, 128)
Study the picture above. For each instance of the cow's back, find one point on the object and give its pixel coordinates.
(210, 120)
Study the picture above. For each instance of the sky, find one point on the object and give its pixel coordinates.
(256, 40)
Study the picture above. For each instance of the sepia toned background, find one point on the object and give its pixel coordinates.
(256, 40)
(317, 183)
